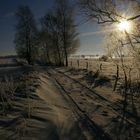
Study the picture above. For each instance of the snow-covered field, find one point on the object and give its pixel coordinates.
(107, 68)
(50, 103)
(7, 61)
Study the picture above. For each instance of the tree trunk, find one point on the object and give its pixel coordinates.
(48, 57)
(64, 41)
(58, 51)
(28, 45)
(29, 54)
(65, 50)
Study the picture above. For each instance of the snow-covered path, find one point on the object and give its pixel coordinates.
(59, 111)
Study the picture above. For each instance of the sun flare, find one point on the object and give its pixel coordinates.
(124, 25)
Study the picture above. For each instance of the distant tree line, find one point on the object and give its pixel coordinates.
(56, 39)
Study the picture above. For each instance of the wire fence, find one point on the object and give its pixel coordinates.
(107, 68)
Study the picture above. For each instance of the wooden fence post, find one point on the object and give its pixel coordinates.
(101, 67)
(78, 63)
(87, 65)
(117, 78)
(71, 63)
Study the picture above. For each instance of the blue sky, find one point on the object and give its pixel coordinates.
(90, 43)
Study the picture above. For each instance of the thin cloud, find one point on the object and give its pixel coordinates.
(9, 15)
(95, 33)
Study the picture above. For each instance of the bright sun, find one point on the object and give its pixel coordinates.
(124, 25)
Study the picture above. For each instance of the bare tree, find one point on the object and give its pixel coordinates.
(116, 51)
(44, 47)
(62, 38)
(67, 27)
(51, 36)
(110, 11)
(26, 33)
(113, 12)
